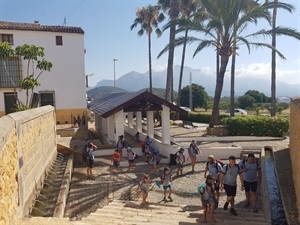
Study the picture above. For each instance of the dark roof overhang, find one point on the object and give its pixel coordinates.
(130, 102)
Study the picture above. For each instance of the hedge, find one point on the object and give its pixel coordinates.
(198, 117)
(257, 126)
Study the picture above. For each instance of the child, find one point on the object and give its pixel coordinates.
(90, 160)
(137, 137)
(153, 162)
(208, 199)
(130, 156)
(144, 186)
(116, 158)
(166, 179)
(180, 159)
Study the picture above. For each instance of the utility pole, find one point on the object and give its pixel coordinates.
(191, 93)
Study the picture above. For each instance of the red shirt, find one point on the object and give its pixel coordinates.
(116, 157)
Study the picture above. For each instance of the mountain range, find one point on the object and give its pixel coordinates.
(134, 81)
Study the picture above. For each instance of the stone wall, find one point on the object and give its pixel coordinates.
(27, 151)
(8, 172)
(295, 145)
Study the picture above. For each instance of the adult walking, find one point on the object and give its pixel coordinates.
(252, 178)
(228, 182)
(193, 151)
(214, 169)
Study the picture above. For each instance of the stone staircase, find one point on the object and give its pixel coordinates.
(127, 212)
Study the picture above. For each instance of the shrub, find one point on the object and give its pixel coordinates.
(257, 126)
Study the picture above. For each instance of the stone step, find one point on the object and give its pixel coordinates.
(129, 212)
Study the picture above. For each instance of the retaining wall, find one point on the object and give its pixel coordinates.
(295, 145)
(27, 149)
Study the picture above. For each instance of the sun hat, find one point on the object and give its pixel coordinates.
(211, 157)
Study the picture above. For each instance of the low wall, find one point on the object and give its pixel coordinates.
(27, 149)
(8, 172)
(294, 146)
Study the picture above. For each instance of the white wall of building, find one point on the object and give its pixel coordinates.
(67, 76)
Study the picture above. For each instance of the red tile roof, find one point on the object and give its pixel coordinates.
(38, 27)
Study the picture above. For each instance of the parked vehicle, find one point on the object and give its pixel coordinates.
(237, 112)
(186, 109)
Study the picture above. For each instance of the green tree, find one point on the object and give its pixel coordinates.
(148, 18)
(34, 58)
(246, 101)
(258, 96)
(199, 96)
(186, 9)
(225, 18)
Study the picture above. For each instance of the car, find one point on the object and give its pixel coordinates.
(186, 109)
(237, 112)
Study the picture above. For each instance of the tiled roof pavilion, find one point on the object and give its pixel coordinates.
(110, 104)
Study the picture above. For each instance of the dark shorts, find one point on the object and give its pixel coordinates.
(90, 163)
(230, 190)
(131, 161)
(116, 164)
(250, 186)
(179, 166)
(168, 186)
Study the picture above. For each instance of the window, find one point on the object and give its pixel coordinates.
(10, 102)
(7, 38)
(59, 40)
(10, 72)
(47, 98)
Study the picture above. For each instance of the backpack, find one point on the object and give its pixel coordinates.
(236, 165)
(85, 154)
(244, 164)
(216, 164)
(201, 189)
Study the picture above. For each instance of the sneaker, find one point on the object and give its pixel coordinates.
(225, 207)
(170, 198)
(255, 210)
(247, 204)
(165, 200)
(233, 212)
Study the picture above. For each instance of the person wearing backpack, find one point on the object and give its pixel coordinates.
(166, 180)
(193, 151)
(130, 155)
(252, 178)
(208, 199)
(228, 182)
(180, 159)
(120, 145)
(214, 168)
(90, 160)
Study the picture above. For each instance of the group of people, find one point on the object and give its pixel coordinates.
(225, 177)
(218, 176)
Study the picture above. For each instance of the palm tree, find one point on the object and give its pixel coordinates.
(172, 7)
(148, 18)
(187, 8)
(222, 15)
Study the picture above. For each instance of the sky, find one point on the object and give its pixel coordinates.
(107, 36)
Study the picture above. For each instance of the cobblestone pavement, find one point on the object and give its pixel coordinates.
(86, 196)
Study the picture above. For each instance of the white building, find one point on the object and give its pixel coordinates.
(64, 86)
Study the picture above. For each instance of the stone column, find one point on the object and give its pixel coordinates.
(110, 123)
(150, 124)
(119, 118)
(130, 119)
(139, 121)
(165, 116)
(104, 125)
